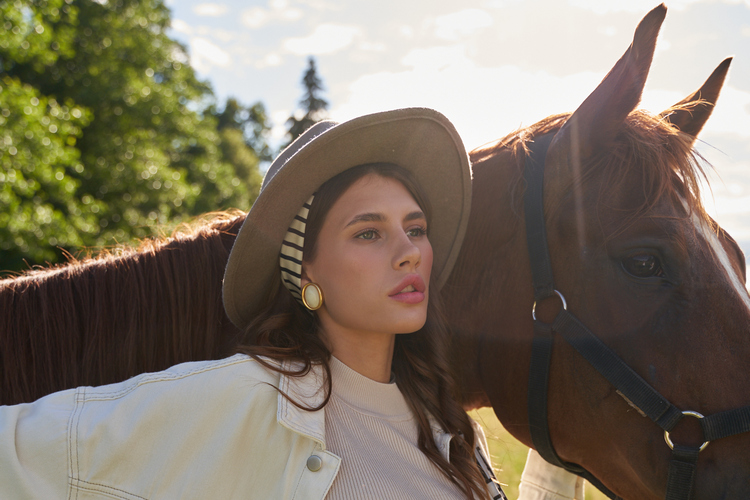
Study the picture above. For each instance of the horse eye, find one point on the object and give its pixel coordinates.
(642, 265)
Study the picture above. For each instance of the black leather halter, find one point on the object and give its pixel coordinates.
(628, 383)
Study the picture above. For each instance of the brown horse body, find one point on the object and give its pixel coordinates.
(632, 250)
(105, 319)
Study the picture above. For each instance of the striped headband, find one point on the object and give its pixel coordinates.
(290, 257)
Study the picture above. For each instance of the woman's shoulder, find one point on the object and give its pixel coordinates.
(214, 376)
(178, 401)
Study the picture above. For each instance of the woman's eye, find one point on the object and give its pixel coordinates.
(643, 265)
(367, 235)
(416, 232)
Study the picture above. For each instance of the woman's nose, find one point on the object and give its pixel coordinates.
(407, 253)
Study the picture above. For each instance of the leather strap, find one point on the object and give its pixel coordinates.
(726, 423)
(544, 287)
(681, 473)
(536, 233)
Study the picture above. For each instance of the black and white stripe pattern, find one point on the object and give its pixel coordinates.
(290, 257)
(493, 486)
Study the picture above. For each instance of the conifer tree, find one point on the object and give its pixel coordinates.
(312, 107)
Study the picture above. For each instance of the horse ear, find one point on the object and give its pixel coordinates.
(595, 123)
(691, 113)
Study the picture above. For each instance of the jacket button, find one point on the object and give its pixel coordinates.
(314, 463)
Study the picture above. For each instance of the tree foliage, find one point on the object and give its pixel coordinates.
(38, 200)
(107, 133)
(313, 106)
(252, 121)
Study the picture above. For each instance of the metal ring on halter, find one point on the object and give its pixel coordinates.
(565, 304)
(690, 414)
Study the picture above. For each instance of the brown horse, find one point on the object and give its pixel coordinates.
(637, 260)
(633, 252)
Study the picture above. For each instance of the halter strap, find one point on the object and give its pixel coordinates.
(631, 385)
(536, 233)
(544, 287)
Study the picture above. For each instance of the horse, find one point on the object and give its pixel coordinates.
(633, 253)
(639, 262)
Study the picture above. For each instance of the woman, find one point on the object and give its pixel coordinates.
(343, 389)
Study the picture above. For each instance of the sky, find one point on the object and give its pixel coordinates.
(491, 66)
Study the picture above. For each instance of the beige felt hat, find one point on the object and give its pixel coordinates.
(420, 140)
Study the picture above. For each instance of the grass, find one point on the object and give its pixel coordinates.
(509, 455)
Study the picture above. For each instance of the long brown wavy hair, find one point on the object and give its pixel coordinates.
(284, 330)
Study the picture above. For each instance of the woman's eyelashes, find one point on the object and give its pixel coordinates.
(416, 232)
(373, 234)
(367, 234)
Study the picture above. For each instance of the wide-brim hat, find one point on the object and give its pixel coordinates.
(419, 140)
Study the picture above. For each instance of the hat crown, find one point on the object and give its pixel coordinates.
(295, 147)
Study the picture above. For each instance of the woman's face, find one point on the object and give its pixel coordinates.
(373, 260)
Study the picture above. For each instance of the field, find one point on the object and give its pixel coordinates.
(509, 455)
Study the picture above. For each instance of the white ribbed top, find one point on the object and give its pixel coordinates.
(370, 426)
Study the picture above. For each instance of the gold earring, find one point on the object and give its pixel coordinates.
(312, 296)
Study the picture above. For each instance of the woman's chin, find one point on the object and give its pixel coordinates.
(410, 325)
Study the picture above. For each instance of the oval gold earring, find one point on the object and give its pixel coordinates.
(312, 296)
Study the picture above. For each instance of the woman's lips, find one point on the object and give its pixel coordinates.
(410, 290)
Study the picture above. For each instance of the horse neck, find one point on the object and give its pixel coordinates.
(107, 319)
(489, 292)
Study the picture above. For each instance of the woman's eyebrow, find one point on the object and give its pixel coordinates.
(378, 217)
(366, 217)
(416, 215)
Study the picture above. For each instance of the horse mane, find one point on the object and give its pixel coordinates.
(122, 312)
(662, 155)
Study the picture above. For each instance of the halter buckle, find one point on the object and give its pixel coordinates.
(687, 413)
(564, 304)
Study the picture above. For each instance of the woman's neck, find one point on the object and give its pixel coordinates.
(367, 353)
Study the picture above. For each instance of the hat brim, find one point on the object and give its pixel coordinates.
(419, 140)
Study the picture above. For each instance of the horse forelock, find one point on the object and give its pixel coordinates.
(156, 304)
(652, 150)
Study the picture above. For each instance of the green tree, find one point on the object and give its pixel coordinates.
(312, 105)
(243, 132)
(126, 130)
(252, 121)
(37, 197)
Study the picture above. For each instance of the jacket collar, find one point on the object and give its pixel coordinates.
(308, 391)
(442, 438)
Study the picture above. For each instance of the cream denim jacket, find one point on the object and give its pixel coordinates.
(202, 430)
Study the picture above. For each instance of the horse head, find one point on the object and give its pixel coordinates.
(637, 260)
